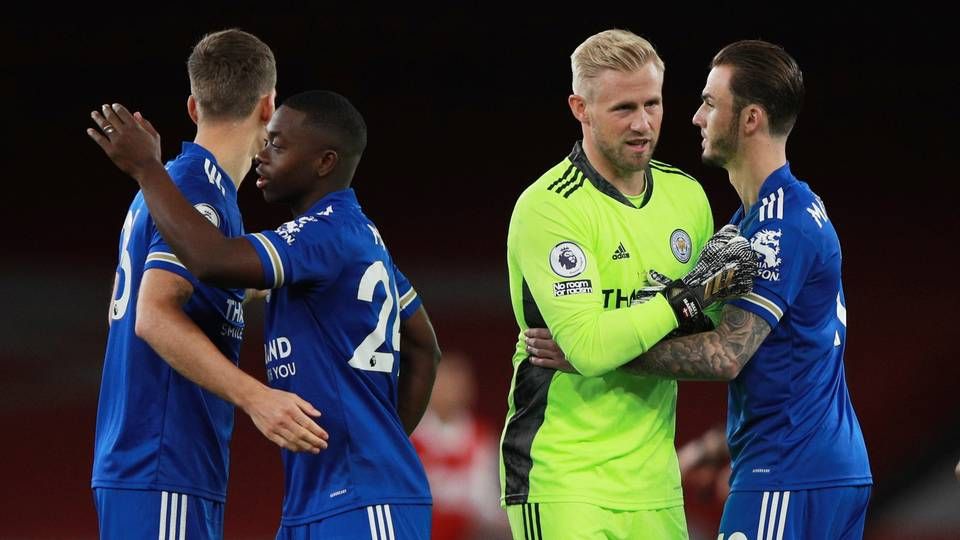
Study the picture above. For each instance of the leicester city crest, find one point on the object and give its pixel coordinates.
(681, 245)
(208, 212)
(567, 259)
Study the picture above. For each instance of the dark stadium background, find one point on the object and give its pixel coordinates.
(465, 107)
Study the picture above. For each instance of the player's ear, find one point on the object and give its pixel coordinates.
(268, 105)
(326, 162)
(578, 106)
(192, 109)
(754, 118)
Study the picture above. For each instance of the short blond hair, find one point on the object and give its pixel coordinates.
(619, 50)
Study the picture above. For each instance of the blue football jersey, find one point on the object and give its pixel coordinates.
(333, 337)
(155, 429)
(790, 422)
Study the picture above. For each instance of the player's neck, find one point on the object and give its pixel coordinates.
(232, 143)
(631, 183)
(752, 166)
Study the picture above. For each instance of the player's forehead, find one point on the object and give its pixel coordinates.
(641, 85)
(286, 121)
(718, 83)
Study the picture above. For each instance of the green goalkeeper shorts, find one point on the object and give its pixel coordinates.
(578, 521)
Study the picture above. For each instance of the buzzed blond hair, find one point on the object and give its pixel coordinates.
(619, 50)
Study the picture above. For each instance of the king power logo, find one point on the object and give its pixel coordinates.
(766, 245)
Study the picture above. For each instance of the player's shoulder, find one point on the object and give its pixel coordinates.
(793, 205)
(559, 189)
(318, 224)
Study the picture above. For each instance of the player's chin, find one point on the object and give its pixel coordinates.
(271, 196)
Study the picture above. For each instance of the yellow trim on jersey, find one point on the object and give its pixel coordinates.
(275, 262)
(165, 257)
(407, 298)
(756, 299)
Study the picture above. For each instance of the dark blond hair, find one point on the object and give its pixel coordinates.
(229, 71)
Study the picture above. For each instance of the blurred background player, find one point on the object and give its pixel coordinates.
(459, 452)
(705, 473)
(161, 455)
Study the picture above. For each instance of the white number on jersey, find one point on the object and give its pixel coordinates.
(119, 307)
(366, 356)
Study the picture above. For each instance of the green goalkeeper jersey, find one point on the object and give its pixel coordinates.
(578, 251)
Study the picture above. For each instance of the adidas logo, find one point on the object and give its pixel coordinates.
(621, 253)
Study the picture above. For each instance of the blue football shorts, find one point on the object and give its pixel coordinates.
(132, 513)
(837, 513)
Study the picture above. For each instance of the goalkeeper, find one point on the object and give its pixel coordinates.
(593, 456)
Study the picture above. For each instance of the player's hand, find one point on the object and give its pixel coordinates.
(130, 141)
(544, 351)
(285, 419)
(725, 270)
(250, 295)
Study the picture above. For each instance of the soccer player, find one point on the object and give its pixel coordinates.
(161, 455)
(593, 456)
(799, 462)
(335, 314)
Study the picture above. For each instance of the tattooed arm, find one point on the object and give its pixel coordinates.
(716, 355)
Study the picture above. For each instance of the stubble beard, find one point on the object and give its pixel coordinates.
(616, 156)
(723, 148)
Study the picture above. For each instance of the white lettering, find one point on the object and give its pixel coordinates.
(769, 275)
(213, 175)
(281, 372)
(377, 239)
(229, 330)
(234, 311)
(818, 212)
(276, 349)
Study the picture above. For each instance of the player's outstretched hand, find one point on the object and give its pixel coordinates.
(129, 140)
(285, 419)
(544, 351)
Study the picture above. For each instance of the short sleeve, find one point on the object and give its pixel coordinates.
(786, 255)
(307, 249)
(207, 200)
(408, 298)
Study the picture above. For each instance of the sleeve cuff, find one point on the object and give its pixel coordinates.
(273, 275)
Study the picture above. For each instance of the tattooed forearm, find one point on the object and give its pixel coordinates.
(716, 355)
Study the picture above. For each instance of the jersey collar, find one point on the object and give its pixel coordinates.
(341, 197)
(192, 149)
(773, 184)
(579, 158)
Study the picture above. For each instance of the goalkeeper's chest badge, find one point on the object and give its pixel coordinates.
(681, 245)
